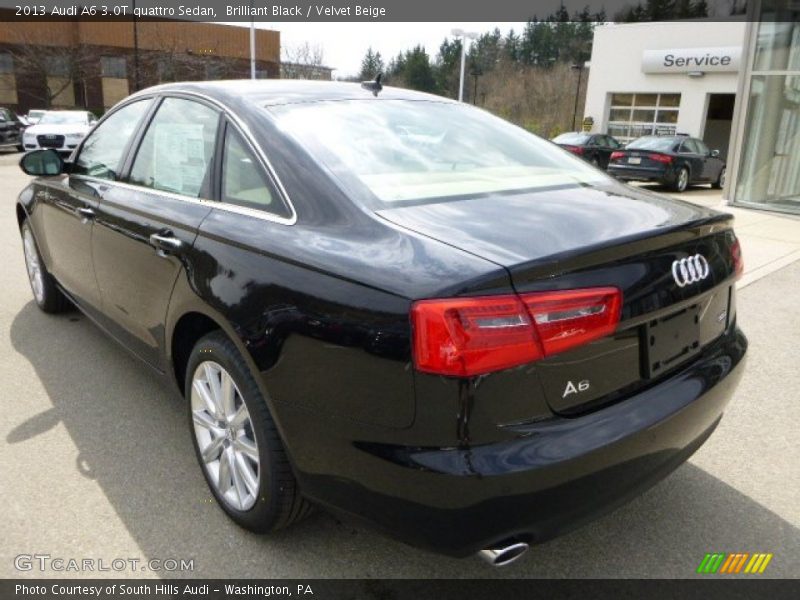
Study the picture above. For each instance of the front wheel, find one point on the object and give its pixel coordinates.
(236, 440)
(45, 291)
(681, 180)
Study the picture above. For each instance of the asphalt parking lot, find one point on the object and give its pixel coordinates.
(97, 463)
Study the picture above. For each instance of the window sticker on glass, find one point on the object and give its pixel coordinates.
(180, 162)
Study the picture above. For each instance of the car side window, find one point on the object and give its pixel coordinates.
(101, 153)
(177, 152)
(244, 182)
(687, 147)
(701, 147)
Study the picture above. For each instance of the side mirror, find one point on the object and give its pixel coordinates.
(42, 163)
(715, 153)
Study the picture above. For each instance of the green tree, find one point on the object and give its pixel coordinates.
(418, 72)
(371, 65)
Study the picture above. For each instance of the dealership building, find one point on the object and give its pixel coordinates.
(736, 85)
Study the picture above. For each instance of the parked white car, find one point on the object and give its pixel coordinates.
(60, 130)
(34, 115)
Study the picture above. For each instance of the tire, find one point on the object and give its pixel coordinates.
(720, 182)
(46, 294)
(681, 181)
(271, 498)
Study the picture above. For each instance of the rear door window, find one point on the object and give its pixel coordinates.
(176, 153)
(244, 182)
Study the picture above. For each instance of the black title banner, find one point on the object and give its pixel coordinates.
(396, 589)
(343, 10)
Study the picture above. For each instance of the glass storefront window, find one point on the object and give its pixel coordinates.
(634, 115)
(769, 163)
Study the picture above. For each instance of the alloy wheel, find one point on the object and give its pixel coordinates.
(35, 274)
(225, 437)
(683, 179)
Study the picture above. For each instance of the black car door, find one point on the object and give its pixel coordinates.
(68, 206)
(142, 228)
(711, 164)
(690, 153)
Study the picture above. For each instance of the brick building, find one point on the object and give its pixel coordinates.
(93, 65)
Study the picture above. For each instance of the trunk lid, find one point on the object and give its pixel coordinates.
(593, 237)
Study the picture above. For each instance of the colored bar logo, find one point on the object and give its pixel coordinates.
(733, 563)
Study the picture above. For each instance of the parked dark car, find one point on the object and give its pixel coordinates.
(674, 161)
(11, 129)
(595, 148)
(393, 305)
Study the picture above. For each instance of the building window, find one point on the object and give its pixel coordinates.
(57, 66)
(6, 63)
(165, 69)
(113, 66)
(634, 115)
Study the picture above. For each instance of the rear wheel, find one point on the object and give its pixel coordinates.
(681, 180)
(236, 440)
(720, 182)
(45, 291)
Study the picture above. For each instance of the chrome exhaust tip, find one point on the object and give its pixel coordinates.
(502, 555)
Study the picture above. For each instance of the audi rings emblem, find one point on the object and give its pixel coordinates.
(690, 270)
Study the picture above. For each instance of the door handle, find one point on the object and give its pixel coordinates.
(85, 213)
(165, 242)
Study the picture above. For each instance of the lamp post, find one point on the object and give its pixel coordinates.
(252, 43)
(463, 35)
(578, 67)
(136, 81)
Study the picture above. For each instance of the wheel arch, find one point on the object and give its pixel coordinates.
(188, 319)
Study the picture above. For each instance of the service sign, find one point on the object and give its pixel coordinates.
(686, 60)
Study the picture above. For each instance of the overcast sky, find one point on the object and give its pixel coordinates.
(344, 44)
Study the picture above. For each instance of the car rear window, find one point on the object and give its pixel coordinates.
(572, 138)
(412, 151)
(652, 143)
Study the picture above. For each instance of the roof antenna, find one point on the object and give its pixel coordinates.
(373, 86)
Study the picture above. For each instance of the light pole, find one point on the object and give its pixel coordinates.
(252, 43)
(578, 67)
(463, 35)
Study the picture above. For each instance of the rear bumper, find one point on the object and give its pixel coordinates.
(556, 475)
(640, 173)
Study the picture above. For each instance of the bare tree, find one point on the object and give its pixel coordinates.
(303, 61)
(53, 66)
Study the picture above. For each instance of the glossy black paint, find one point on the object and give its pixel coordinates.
(704, 166)
(319, 310)
(595, 148)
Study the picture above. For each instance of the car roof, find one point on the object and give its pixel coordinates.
(272, 92)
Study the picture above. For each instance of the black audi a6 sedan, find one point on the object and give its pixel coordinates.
(595, 148)
(393, 305)
(675, 161)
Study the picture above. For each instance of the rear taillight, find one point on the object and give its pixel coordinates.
(574, 149)
(463, 337)
(563, 320)
(738, 259)
(662, 158)
(617, 155)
